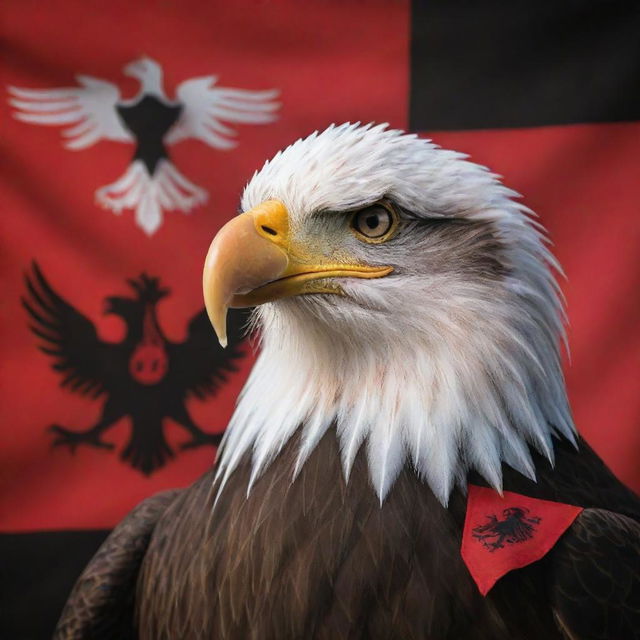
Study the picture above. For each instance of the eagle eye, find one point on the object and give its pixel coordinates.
(375, 224)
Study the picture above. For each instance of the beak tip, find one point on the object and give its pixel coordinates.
(223, 341)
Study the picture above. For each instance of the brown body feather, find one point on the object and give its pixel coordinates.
(102, 602)
(320, 558)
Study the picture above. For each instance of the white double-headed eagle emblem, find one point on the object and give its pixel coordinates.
(95, 111)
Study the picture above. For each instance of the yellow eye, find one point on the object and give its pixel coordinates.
(375, 224)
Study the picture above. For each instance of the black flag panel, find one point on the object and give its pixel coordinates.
(494, 64)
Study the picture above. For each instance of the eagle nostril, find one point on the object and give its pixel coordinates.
(269, 230)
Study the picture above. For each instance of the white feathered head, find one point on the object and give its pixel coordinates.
(404, 299)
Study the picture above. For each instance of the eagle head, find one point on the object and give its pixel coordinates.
(403, 299)
(147, 71)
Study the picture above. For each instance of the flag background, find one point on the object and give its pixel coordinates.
(548, 98)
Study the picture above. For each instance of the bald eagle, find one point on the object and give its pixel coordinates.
(410, 326)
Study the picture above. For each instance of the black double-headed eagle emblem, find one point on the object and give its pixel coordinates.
(516, 526)
(145, 376)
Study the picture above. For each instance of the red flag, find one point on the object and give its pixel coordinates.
(129, 135)
(507, 532)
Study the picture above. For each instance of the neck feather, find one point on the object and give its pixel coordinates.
(446, 399)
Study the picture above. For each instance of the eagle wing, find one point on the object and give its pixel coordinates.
(68, 336)
(199, 364)
(101, 604)
(596, 577)
(90, 108)
(206, 107)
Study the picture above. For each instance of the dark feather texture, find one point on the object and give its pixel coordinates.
(101, 604)
(320, 558)
(596, 577)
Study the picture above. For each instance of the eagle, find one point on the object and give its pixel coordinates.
(145, 376)
(151, 121)
(410, 326)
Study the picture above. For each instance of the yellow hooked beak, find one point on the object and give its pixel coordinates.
(252, 260)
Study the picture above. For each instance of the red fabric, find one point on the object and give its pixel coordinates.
(507, 532)
(313, 53)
